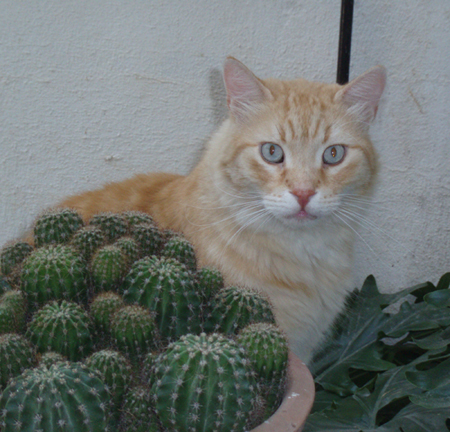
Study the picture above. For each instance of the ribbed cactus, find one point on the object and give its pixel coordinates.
(13, 255)
(13, 308)
(56, 226)
(233, 308)
(134, 331)
(129, 247)
(113, 225)
(63, 397)
(167, 288)
(137, 413)
(180, 249)
(148, 237)
(87, 240)
(108, 268)
(209, 282)
(193, 389)
(50, 358)
(136, 217)
(54, 272)
(4, 285)
(267, 348)
(114, 369)
(16, 355)
(63, 327)
(103, 307)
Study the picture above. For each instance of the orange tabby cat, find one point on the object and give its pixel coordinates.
(268, 202)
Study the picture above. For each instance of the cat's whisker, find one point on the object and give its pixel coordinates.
(368, 224)
(234, 195)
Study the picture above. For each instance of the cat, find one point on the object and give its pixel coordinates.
(268, 203)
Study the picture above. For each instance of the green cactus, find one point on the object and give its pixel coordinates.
(56, 226)
(134, 331)
(137, 412)
(209, 282)
(180, 249)
(16, 355)
(112, 225)
(63, 327)
(102, 308)
(87, 240)
(109, 266)
(266, 347)
(233, 308)
(192, 388)
(50, 358)
(64, 397)
(13, 255)
(4, 285)
(12, 312)
(136, 217)
(148, 237)
(167, 288)
(114, 369)
(52, 273)
(129, 247)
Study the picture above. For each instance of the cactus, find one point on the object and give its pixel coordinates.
(56, 226)
(233, 308)
(4, 285)
(148, 237)
(192, 389)
(129, 247)
(108, 268)
(87, 240)
(50, 358)
(136, 217)
(266, 347)
(13, 255)
(103, 307)
(63, 397)
(53, 272)
(63, 327)
(114, 369)
(167, 288)
(113, 225)
(209, 282)
(137, 412)
(12, 312)
(134, 331)
(16, 355)
(180, 249)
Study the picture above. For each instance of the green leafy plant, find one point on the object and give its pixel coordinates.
(385, 366)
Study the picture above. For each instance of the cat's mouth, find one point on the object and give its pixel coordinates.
(302, 215)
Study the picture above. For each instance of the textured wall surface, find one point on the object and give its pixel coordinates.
(92, 92)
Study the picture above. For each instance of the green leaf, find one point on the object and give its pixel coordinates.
(444, 282)
(438, 298)
(433, 378)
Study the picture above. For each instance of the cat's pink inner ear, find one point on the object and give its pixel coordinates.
(245, 92)
(363, 93)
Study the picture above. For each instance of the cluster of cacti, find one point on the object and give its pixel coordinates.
(129, 302)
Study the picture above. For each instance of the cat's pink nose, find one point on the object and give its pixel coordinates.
(303, 196)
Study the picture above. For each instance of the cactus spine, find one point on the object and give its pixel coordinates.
(108, 268)
(13, 255)
(87, 240)
(16, 355)
(56, 226)
(62, 397)
(167, 288)
(63, 327)
(102, 308)
(129, 247)
(112, 225)
(180, 249)
(52, 273)
(192, 389)
(148, 237)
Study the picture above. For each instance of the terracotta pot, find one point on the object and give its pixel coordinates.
(297, 403)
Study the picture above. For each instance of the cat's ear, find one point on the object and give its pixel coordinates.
(362, 95)
(245, 92)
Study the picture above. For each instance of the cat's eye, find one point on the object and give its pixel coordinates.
(333, 154)
(272, 153)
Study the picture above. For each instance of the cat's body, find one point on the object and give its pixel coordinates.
(275, 225)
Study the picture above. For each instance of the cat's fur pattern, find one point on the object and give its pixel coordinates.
(239, 210)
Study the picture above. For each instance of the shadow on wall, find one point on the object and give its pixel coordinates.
(218, 97)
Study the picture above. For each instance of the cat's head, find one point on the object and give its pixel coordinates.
(298, 149)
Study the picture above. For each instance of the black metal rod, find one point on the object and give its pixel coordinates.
(345, 42)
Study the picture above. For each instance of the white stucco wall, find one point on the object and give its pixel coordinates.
(96, 91)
